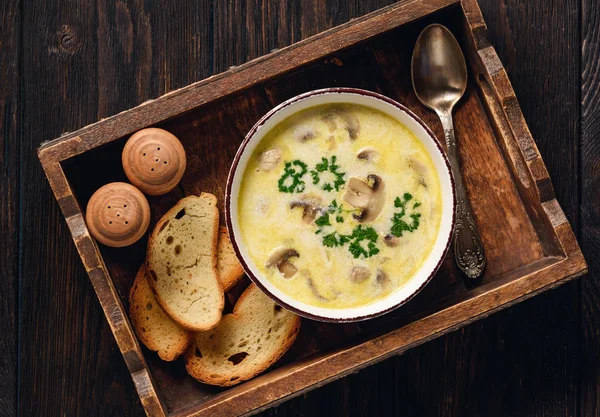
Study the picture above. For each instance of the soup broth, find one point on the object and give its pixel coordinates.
(339, 205)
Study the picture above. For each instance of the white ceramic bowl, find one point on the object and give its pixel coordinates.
(397, 112)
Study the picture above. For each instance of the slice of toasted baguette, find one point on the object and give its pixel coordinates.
(182, 263)
(228, 265)
(155, 329)
(245, 343)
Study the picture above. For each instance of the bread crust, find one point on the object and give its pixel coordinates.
(153, 279)
(200, 368)
(148, 318)
(232, 273)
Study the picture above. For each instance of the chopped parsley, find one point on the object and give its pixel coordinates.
(367, 235)
(323, 220)
(330, 166)
(335, 239)
(400, 221)
(362, 239)
(336, 209)
(291, 180)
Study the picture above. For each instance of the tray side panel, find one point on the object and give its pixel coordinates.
(238, 78)
(290, 381)
(103, 285)
(530, 173)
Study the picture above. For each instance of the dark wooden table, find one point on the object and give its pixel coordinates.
(65, 64)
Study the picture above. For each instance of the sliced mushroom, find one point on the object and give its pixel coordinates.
(287, 269)
(269, 159)
(351, 123)
(391, 240)
(419, 169)
(313, 287)
(280, 258)
(330, 122)
(304, 133)
(359, 274)
(368, 154)
(331, 143)
(358, 193)
(382, 279)
(369, 197)
(311, 206)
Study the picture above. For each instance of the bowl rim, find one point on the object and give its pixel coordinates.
(234, 167)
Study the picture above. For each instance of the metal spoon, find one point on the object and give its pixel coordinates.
(439, 76)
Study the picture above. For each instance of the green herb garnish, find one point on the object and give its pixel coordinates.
(335, 239)
(336, 209)
(367, 235)
(400, 221)
(362, 240)
(291, 180)
(328, 166)
(323, 221)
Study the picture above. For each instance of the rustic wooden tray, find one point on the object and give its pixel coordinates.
(529, 243)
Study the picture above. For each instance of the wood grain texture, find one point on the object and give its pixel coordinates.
(138, 50)
(64, 331)
(221, 124)
(549, 103)
(590, 208)
(476, 139)
(236, 79)
(128, 47)
(10, 22)
(438, 378)
(551, 52)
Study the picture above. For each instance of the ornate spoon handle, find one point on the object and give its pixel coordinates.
(468, 250)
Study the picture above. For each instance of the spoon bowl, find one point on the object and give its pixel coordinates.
(439, 71)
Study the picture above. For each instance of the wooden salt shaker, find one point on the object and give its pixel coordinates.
(154, 160)
(118, 214)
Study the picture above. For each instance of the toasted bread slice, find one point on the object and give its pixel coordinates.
(228, 265)
(182, 263)
(245, 343)
(154, 328)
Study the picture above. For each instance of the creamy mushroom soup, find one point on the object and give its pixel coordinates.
(339, 206)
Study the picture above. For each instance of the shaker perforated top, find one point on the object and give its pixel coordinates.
(154, 160)
(118, 214)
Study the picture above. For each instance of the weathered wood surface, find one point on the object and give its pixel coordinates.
(589, 157)
(540, 230)
(142, 50)
(10, 19)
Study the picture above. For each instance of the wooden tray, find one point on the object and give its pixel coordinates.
(529, 243)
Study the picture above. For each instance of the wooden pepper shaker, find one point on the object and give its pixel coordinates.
(154, 160)
(118, 214)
